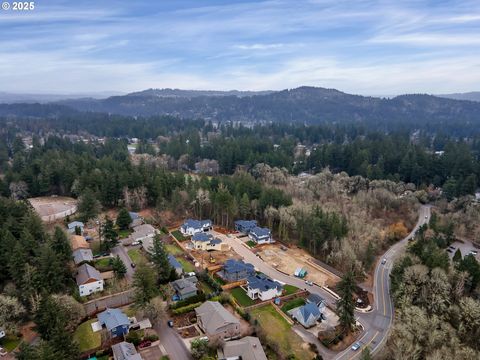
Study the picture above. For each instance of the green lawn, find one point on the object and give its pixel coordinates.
(86, 338)
(279, 331)
(122, 234)
(290, 289)
(178, 235)
(251, 243)
(10, 342)
(187, 265)
(241, 296)
(137, 256)
(292, 304)
(173, 249)
(207, 289)
(103, 262)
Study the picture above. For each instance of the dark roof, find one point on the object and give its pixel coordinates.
(236, 266)
(201, 236)
(174, 262)
(86, 272)
(308, 310)
(112, 318)
(134, 215)
(82, 255)
(246, 224)
(260, 232)
(185, 286)
(74, 224)
(125, 351)
(216, 241)
(196, 224)
(262, 283)
(315, 299)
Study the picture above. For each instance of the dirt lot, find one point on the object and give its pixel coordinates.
(219, 256)
(188, 332)
(289, 260)
(51, 208)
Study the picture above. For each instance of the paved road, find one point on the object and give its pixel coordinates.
(376, 323)
(172, 343)
(121, 251)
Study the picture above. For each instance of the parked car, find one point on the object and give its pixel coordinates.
(384, 261)
(170, 323)
(308, 282)
(136, 243)
(474, 252)
(133, 265)
(356, 346)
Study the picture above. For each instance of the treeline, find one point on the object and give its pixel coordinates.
(436, 298)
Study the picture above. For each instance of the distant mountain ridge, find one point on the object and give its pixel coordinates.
(471, 96)
(310, 105)
(12, 98)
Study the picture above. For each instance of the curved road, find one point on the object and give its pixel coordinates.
(377, 322)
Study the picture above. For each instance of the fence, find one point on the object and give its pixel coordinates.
(60, 215)
(115, 300)
(233, 285)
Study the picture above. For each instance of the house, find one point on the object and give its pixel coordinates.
(141, 233)
(216, 321)
(236, 270)
(89, 280)
(125, 351)
(137, 220)
(115, 321)
(247, 348)
(75, 224)
(263, 288)
(185, 288)
(2, 333)
(175, 264)
(307, 315)
(260, 235)
(81, 256)
(206, 242)
(191, 226)
(244, 226)
(317, 300)
(78, 242)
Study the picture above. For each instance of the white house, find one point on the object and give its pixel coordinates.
(191, 227)
(263, 288)
(89, 280)
(260, 235)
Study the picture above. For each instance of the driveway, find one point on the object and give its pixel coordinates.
(172, 342)
(121, 251)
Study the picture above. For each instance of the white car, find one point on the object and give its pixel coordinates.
(136, 243)
(309, 283)
(384, 261)
(356, 346)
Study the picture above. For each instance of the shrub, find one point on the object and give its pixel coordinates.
(185, 309)
(151, 337)
(134, 337)
(191, 300)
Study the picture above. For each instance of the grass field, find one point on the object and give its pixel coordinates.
(187, 265)
(178, 235)
(292, 304)
(173, 249)
(290, 289)
(122, 234)
(137, 256)
(10, 342)
(279, 331)
(241, 296)
(207, 289)
(251, 243)
(86, 338)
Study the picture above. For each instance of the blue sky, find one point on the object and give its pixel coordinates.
(376, 47)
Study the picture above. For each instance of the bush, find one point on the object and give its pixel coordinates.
(151, 337)
(134, 337)
(185, 309)
(191, 300)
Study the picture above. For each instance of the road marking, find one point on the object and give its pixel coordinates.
(383, 291)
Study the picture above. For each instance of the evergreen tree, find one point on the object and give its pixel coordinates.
(244, 206)
(88, 206)
(145, 284)
(110, 236)
(346, 304)
(123, 219)
(61, 245)
(457, 257)
(51, 270)
(160, 260)
(119, 267)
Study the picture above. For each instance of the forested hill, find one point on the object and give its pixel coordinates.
(304, 104)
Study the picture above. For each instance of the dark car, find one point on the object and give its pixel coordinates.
(170, 323)
(133, 265)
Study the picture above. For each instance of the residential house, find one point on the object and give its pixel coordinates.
(75, 224)
(125, 351)
(206, 242)
(262, 287)
(89, 280)
(115, 321)
(317, 300)
(137, 220)
(236, 270)
(81, 256)
(78, 242)
(175, 264)
(247, 348)
(216, 321)
(141, 233)
(260, 235)
(307, 315)
(244, 226)
(185, 288)
(191, 227)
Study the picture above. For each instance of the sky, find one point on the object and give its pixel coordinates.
(370, 47)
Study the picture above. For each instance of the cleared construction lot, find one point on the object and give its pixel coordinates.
(51, 208)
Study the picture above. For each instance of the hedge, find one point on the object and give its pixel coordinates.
(185, 309)
(191, 300)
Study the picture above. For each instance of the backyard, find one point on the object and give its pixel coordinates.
(173, 249)
(137, 256)
(290, 289)
(278, 332)
(178, 235)
(292, 304)
(241, 297)
(86, 338)
(187, 265)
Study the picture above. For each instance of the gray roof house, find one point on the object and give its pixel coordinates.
(263, 288)
(175, 264)
(316, 299)
(89, 280)
(236, 270)
(244, 226)
(216, 321)
(136, 219)
(141, 233)
(307, 315)
(115, 321)
(247, 348)
(260, 235)
(185, 288)
(74, 224)
(82, 255)
(191, 226)
(125, 351)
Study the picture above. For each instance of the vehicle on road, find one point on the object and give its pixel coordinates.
(133, 265)
(135, 243)
(384, 261)
(356, 346)
(426, 216)
(170, 323)
(309, 283)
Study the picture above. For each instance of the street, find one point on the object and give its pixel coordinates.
(172, 342)
(122, 253)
